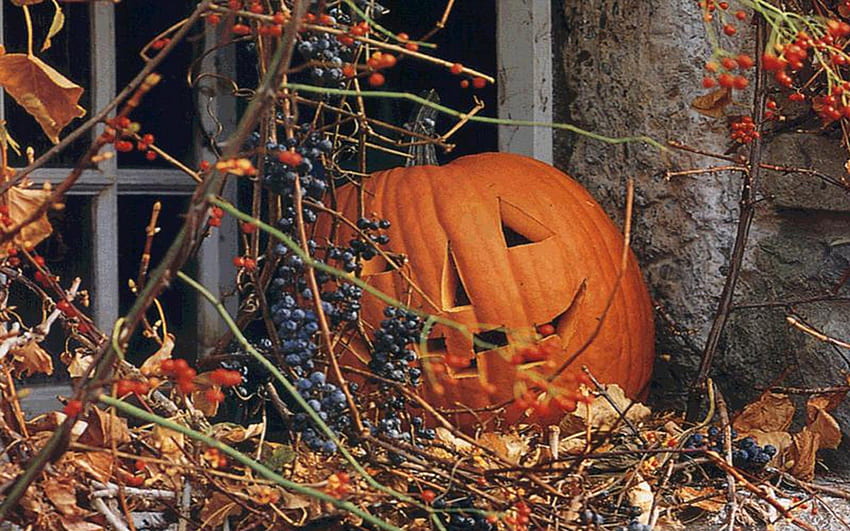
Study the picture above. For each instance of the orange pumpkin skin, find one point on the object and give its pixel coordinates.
(507, 243)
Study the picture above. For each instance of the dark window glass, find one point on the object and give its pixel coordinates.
(167, 110)
(67, 253)
(69, 55)
(178, 300)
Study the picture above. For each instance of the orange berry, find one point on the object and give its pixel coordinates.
(377, 79)
(456, 68)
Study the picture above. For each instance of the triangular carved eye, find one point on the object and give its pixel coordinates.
(519, 228)
(454, 294)
(489, 340)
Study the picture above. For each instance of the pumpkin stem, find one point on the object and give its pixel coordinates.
(423, 121)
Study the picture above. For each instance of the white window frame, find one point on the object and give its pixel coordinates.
(524, 80)
(110, 180)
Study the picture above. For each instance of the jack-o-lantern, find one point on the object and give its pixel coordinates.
(505, 245)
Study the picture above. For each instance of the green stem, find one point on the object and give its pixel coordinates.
(245, 460)
(481, 119)
(381, 29)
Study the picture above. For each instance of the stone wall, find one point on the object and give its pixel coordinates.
(630, 67)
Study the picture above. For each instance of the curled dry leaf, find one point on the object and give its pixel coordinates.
(78, 363)
(22, 203)
(509, 445)
(641, 496)
(151, 366)
(234, 433)
(206, 406)
(801, 456)
(708, 498)
(771, 412)
(603, 416)
(31, 359)
(104, 427)
(56, 25)
(822, 423)
(63, 496)
(713, 103)
(47, 95)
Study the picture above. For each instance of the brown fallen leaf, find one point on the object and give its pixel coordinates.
(104, 427)
(771, 412)
(151, 366)
(22, 202)
(713, 103)
(31, 359)
(80, 525)
(801, 457)
(602, 416)
(63, 496)
(216, 508)
(234, 433)
(98, 465)
(47, 95)
(78, 363)
(828, 401)
(708, 498)
(822, 423)
(56, 25)
(202, 402)
(20, 3)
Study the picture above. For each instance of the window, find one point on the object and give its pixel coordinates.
(98, 49)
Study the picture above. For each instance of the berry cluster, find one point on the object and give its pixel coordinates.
(744, 130)
(460, 520)
(393, 354)
(746, 453)
(121, 132)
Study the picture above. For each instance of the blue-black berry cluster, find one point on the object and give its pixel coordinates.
(393, 353)
(326, 56)
(461, 520)
(746, 453)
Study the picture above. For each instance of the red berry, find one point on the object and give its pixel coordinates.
(403, 37)
(708, 82)
(124, 146)
(388, 60)
(256, 8)
(771, 63)
(215, 222)
(167, 366)
(64, 306)
(729, 63)
(225, 377)
(428, 495)
(214, 395)
(234, 4)
(464, 83)
(479, 82)
(249, 264)
(213, 19)
(124, 387)
(139, 465)
(135, 481)
(740, 15)
(73, 408)
(241, 29)
(729, 29)
(249, 228)
(411, 46)
(275, 30)
(711, 66)
(376, 79)
(745, 61)
(217, 212)
(456, 68)
(349, 70)
(39, 260)
(150, 155)
(546, 329)
(740, 82)
(290, 158)
(148, 138)
(279, 18)
(726, 80)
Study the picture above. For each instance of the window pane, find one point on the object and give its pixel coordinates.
(178, 301)
(67, 253)
(469, 38)
(69, 55)
(167, 110)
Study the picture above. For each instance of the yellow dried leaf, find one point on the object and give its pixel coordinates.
(151, 366)
(713, 103)
(47, 95)
(822, 423)
(63, 496)
(169, 442)
(771, 412)
(56, 25)
(22, 203)
(802, 454)
(601, 415)
(708, 498)
(31, 359)
(79, 364)
(234, 433)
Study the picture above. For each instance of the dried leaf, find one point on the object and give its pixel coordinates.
(81, 525)
(708, 498)
(828, 401)
(104, 428)
(99, 465)
(713, 103)
(56, 25)
(802, 454)
(601, 415)
(234, 433)
(6, 138)
(771, 412)
(20, 3)
(31, 359)
(822, 423)
(47, 95)
(203, 404)
(22, 203)
(79, 364)
(169, 442)
(151, 366)
(641, 496)
(781, 440)
(216, 508)
(63, 496)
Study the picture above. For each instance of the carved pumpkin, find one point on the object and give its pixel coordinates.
(513, 242)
